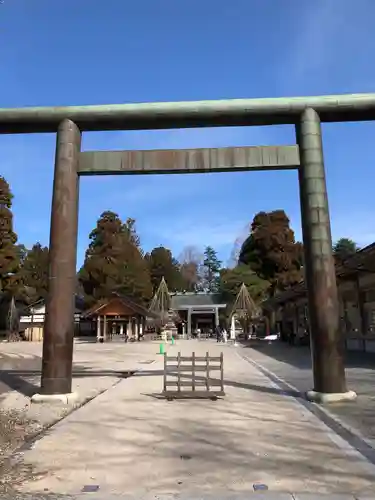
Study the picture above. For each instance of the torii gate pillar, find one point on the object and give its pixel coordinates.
(326, 338)
(56, 383)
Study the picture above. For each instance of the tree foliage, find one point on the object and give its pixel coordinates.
(231, 280)
(343, 249)
(210, 271)
(114, 263)
(9, 252)
(191, 263)
(22, 253)
(130, 228)
(162, 264)
(34, 271)
(271, 250)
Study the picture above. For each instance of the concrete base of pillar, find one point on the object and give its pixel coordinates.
(335, 397)
(66, 399)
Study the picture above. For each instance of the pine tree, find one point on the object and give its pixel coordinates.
(162, 265)
(343, 249)
(211, 270)
(34, 271)
(130, 228)
(272, 252)
(231, 280)
(9, 252)
(114, 262)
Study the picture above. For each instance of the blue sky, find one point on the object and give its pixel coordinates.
(72, 52)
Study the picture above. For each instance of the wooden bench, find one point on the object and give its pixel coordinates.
(190, 377)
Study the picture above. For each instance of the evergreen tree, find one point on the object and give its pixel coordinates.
(9, 252)
(130, 228)
(22, 253)
(231, 280)
(34, 271)
(272, 252)
(343, 249)
(114, 263)
(162, 264)
(211, 270)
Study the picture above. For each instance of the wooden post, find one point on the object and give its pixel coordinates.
(207, 371)
(138, 328)
(222, 371)
(105, 328)
(32, 325)
(193, 372)
(179, 372)
(165, 372)
(98, 328)
(133, 328)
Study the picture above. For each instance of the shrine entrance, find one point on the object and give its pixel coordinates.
(305, 113)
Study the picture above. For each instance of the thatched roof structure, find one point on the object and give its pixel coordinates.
(160, 306)
(244, 306)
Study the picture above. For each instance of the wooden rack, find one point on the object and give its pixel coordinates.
(190, 377)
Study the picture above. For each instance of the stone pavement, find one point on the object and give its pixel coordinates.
(130, 442)
(96, 368)
(293, 364)
(191, 496)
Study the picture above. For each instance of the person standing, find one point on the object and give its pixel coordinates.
(218, 333)
(225, 335)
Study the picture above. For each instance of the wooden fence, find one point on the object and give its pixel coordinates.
(190, 377)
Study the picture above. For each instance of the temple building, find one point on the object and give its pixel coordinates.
(121, 317)
(118, 315)
(32, 320)
(197, 310)
(356, 289)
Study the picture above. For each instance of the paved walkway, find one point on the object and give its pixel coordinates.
(293, 364)
(128, 441)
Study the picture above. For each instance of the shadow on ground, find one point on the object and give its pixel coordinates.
(27, 382)
(227, 383)
(300, 356)
(199, 452)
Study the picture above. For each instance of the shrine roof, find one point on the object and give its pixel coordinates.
(190, 299)
(126, 301)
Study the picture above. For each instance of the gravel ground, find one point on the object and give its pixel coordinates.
(15, 429)
(16, 425)
(96, 369)
(21, 423)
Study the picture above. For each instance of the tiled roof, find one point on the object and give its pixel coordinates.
(182, 300)
(362, 260)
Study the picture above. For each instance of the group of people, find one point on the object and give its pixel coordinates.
(221, 334)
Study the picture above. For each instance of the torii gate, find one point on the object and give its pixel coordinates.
(306, 113)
